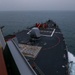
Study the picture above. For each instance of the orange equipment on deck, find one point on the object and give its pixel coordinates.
(41, 25)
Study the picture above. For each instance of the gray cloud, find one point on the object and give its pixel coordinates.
(37, 5)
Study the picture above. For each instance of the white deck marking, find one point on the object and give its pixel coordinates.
(29, 32)
(45, 31)
(52, 32)
(46, 35)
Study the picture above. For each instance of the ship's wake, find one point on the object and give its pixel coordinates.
(71, 59)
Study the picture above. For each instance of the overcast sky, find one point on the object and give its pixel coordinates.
(10, 5)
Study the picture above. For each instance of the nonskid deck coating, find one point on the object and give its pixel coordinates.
(51, 58)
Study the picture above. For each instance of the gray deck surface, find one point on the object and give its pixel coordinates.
(52, 59)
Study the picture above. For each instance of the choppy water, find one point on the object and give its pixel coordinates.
(18, 20)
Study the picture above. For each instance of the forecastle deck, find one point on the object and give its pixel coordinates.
(51, 57)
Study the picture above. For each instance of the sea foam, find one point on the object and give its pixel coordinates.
(71, 59)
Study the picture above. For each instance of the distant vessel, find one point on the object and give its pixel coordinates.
(38, 50)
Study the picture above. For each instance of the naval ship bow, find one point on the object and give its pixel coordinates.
(38, 50)
(44, 47)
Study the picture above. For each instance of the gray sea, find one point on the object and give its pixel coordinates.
(15, 21)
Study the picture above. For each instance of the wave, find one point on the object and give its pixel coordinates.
(71, 59)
